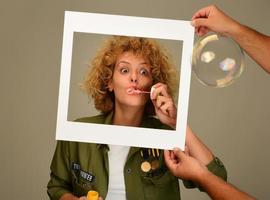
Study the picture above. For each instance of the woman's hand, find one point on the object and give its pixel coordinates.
(164, 105)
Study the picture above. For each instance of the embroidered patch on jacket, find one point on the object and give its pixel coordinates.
(83, 174)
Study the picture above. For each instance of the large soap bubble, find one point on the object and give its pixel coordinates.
(217, 61)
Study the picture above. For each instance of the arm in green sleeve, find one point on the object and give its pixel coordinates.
(60, 179)
(216, 167)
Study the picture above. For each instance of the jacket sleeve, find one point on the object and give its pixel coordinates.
(216, 167)
(60, 178)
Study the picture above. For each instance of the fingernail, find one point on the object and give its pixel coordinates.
(176, 149)
(192, 23)
(151, 92)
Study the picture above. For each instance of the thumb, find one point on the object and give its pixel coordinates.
(200, 22)
(167, 157)
(187, 151)
(179, 153)
(169, 162)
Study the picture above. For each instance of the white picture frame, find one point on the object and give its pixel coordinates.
(134, 26)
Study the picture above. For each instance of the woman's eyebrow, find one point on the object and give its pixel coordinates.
(123, 61)
(144, 63)
(126, 62)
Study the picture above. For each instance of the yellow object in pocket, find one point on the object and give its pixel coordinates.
(92, 195)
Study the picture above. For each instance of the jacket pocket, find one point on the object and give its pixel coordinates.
(80, 186)
(161, 186)
(160, 179)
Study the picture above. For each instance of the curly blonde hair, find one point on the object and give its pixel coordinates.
(102, 67)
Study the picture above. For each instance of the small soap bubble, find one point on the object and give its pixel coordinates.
(217, 61)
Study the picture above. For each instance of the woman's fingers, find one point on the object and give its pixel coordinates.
(169, 109)
(161, 100)
(160, 89)
(166, 105)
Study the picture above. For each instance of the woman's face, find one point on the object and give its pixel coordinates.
(131, 72)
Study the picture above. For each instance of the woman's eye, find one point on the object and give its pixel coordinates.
(144, 72)
(123, 70)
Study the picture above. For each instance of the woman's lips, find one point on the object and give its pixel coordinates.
(134, 90)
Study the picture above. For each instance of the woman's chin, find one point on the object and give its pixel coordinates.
(135, 104)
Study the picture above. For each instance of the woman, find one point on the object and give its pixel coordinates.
(121, 72)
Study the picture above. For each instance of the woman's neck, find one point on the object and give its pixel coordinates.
(128, 116)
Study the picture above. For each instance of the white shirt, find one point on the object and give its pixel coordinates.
(117, 159)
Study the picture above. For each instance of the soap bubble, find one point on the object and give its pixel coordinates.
(217, 61)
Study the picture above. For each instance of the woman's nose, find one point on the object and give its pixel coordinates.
(133, 78)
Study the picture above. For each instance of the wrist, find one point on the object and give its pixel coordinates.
(189, 136)
(235, 30)
(202, 176)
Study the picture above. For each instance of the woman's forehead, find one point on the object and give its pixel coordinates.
(130, 56)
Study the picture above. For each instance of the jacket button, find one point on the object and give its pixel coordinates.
(128, 170)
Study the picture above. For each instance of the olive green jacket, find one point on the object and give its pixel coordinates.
(79, 167)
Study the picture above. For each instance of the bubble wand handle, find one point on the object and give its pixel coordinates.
(92, 195)
(141, 91)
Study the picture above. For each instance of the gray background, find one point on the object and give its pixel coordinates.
(233, 121)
